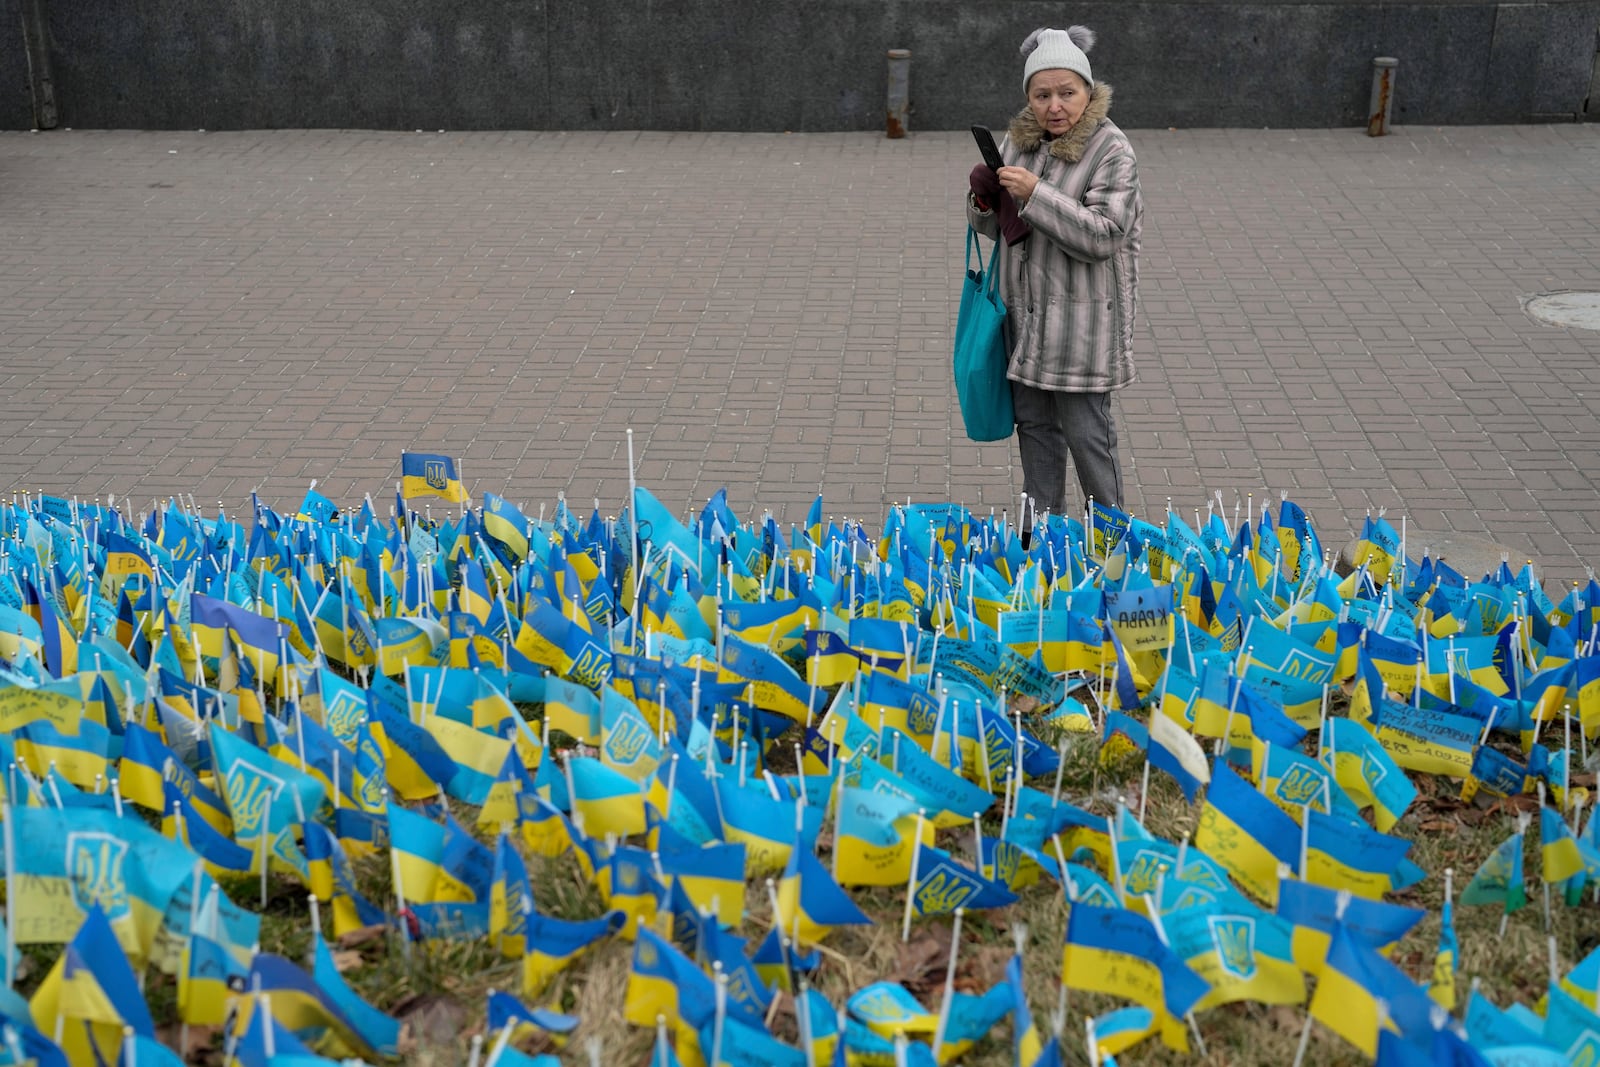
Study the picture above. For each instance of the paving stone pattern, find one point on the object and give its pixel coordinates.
(1323, 313)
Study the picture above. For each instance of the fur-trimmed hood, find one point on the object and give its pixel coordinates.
(1027, 134)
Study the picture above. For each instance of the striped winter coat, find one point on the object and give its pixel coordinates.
(1071, 287)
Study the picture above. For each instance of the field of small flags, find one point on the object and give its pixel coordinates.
(443, 781)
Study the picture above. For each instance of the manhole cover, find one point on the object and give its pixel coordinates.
(1578, 310)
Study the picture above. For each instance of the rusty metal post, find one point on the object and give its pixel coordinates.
(899, 91)
(36, 46)
(1382, 108)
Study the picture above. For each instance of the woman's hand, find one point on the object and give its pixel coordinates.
(1019, 182)
(986, 187)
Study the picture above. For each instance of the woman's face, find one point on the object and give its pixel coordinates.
(1057, 98)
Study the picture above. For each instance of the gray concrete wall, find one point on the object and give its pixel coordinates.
(784, 64)
(16, 100)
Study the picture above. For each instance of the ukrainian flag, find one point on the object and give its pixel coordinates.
(478, 757)
(875, 838)
(775, 685)
(1119, 952)
(628, 884)
(607, 801)
(1352, 981)
(573, 709)
(381, 1031)
(1366, 771)
(1558, 849)
(894, 643)
(888, 701)
(424, 476)
(413, 763)
(628, 743)
(124, 559)
(208, 973)
(712, 877)
(509, 890)
(82, 759)
(258, 639)
(21, 705)
(766, 827)
(419, 844)
(92, 983)
(1344, 853)
(473, 594)
(1313, 911)
(665, 982)
(219, 851)
(554, 943)
(408, 641)
(506, 525)
(300, 1003)
(810, 902)
(1246, 833)
(1244, 953)
(60, 644)
(941, 885)
(830, 660)
(266, 797)
(888, 1008)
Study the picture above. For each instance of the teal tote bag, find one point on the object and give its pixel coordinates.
(980, 349)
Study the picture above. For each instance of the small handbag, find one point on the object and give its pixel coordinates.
(980, 350)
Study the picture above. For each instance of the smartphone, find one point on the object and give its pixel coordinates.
(986, 145)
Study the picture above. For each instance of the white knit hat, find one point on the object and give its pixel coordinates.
(1047, 49)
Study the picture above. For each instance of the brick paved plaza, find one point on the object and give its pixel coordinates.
(1323, 312)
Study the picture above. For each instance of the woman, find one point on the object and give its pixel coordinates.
(1068, 204)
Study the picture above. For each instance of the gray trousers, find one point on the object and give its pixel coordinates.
(1053, 426)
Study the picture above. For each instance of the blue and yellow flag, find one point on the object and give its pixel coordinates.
(1313, 911)
(1558, 849)
(1246, 833)
(422, 868)
(875, 836)
(940, 885)
(1241, 951)
(1352, 981)
(1120, 952)
(93, 987)
(605, 801)
(267, 799)
(380, 1031)
(665, 982)
(1443, 986)
(1343, 852)
(1367, 772)
(1499, 879)
(304, 1007)
(554, 943)
(888, 1008)
(424, 477)
(810, 902)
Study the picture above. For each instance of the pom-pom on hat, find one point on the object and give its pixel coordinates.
(1047, 49)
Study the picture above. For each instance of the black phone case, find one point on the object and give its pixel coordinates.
(986, 145)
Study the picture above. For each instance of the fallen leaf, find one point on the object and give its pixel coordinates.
(200, 1038)
(347, 960)
(922, 960)
(434, 1019)
(980, 967)
(364, 936)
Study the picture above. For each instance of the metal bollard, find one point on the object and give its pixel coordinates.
(1378, 115)
(899, 91)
